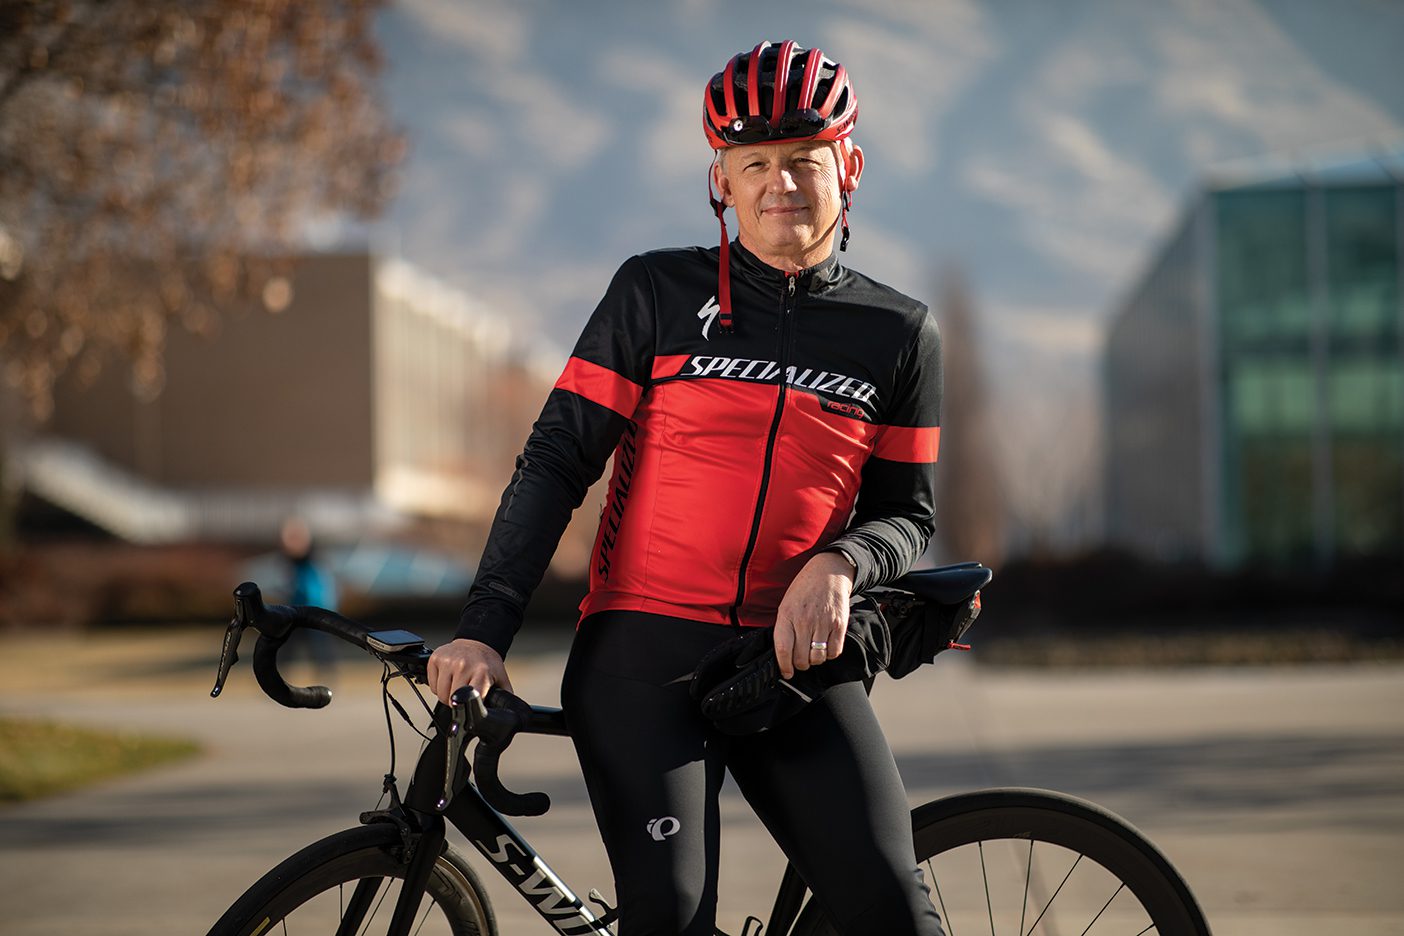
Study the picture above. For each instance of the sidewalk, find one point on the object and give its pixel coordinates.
(1278, 792)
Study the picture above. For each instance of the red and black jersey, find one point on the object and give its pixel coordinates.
(737, 457)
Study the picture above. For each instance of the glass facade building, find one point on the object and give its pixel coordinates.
(1254, 378)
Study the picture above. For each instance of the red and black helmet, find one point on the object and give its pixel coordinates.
(773, 94)
(778, 92)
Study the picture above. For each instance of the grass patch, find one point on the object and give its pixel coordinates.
(38, 758)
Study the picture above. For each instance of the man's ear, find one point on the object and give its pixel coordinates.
(720, 180)
(853, 153)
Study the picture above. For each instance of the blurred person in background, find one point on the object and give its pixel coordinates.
(773, 420)
(312, 584)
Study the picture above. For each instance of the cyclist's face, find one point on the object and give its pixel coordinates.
(786, 196)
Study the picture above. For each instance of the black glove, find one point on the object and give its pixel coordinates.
(738, 684)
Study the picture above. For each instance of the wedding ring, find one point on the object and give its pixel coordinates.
(818, 645)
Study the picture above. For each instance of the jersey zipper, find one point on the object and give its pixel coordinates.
(787, 310)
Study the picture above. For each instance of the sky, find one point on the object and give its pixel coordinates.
(1044, 149)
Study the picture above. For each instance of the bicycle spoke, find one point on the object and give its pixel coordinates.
(353, 915)
(1119, 889)
(1028, 877)
(1147, 929)
(985, 874)
(429, 906)
(385, 894)
(945, 917)
(1055, 894)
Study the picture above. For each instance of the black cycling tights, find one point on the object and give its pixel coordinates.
(824, 783)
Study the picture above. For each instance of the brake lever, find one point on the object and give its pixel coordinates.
(466, 710)
(509, 715)
(228, 655)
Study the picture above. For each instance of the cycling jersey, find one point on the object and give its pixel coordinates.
(737, 457)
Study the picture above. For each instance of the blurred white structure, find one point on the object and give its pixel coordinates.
(377, 394)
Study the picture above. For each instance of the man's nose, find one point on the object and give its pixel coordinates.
(781, 181)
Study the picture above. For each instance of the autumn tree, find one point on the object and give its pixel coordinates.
(158, 156)
(970, 507)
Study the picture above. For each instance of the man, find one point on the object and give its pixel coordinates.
(773, 418)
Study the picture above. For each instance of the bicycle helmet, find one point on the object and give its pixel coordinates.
(774, 94)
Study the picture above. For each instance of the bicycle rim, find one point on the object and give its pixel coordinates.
(1036, 863)
(348, 884)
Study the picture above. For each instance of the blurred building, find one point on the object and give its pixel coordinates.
(375, 395)
(1254, 378)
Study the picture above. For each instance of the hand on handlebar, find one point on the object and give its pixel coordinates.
(464, 662)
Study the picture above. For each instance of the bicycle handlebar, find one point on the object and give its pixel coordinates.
(494, 724)
(275, 623)
(496, 720)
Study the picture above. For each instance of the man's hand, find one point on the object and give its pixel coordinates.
(815, 608)
(464, 662)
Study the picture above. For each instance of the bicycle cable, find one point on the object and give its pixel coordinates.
(388, 699)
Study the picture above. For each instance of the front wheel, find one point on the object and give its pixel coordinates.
(348, 880)
(1035, 862)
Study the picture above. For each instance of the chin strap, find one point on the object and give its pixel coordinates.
(841, 154)
(725, 324)
(843, 216)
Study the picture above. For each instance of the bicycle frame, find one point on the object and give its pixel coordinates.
(438, 796)
(520, 864)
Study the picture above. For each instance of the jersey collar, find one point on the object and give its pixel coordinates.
(818, 278)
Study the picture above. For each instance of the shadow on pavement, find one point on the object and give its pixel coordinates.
(1250, 782)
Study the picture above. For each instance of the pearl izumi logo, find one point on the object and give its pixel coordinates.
(662, 828)
(708, 315)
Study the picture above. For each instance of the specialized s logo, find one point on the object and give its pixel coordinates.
(708, 315)
(660, 829)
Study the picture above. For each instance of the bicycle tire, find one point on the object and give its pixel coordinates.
(305, 883)
(1069, 828)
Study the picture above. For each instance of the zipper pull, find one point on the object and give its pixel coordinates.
(790, 284)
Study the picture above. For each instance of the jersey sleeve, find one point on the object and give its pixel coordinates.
(578, 428)
(895, 515)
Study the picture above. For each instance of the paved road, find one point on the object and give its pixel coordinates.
(1278, 792)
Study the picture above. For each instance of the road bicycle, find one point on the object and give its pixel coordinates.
(1018, 861)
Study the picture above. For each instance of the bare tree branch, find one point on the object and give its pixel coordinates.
(150, 149)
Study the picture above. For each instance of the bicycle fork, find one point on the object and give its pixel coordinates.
(426, 854)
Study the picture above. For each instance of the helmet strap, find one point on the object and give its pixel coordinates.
(842, 150)
(724, 321)
(843, 215)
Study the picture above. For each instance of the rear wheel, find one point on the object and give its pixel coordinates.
(347, 881)
(1034, 862)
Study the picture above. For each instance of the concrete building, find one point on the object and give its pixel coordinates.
(1254, 378)
(376, 395)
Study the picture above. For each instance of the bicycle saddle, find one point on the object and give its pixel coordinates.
(947, 585)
